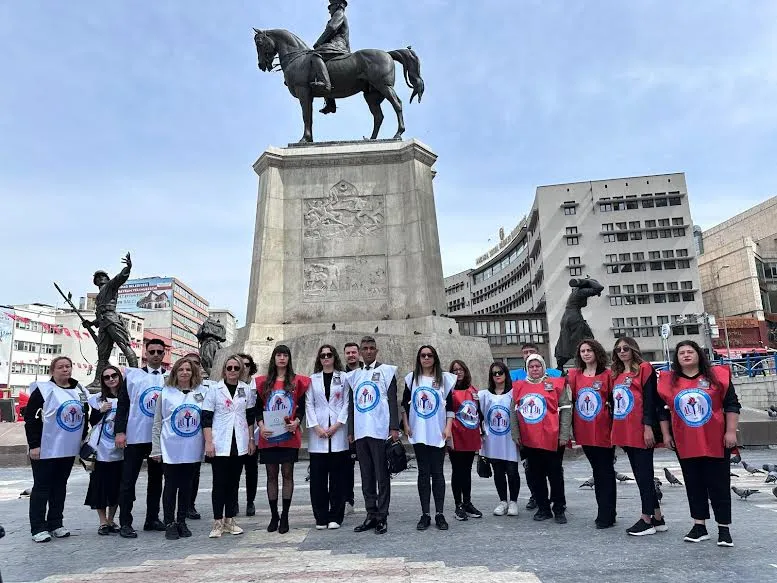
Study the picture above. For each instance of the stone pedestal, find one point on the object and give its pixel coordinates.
(345, 245)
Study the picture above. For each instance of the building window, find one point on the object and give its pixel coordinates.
(605, 208)
(674, 297)
(647, 332)
(674, 201)
(670, 265)
(576, 271)
(684, 264)
(659, 298)
(612, 258)
(635, 236)
(618, 323)
(629, 300)
(626, 268)
(662, 320)
(622, 237)
(621, 226)
(682, 252)
(573, 240)
(629, 289)
(668, 254)
(571, 230)
(615, 290)
(655, 266)
(647, 204)
(663, 222)
(638, 256)
(616, 301)
(607, 227)
(658, 287)
(649, 224)
(686, 285)
(574, 261)
(673, 286)
(665, 233)
(692, 329)
(609, 238)
(634, 225)
(642, 288)
(632, 204)
(612, 269)
(640, 267)
(677, 221)
(624, 257)
(570, 210)
(678, 232)
(689, 296)
(643, 299)
(653, 234)
(660, 202)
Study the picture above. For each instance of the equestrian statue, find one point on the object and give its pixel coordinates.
(330, 70)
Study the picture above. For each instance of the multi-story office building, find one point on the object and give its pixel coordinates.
(169, 307)
(633, 235)
(738, 270)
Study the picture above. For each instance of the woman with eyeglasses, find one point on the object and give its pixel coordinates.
(177, 442)
(326, 413)
(633, 418)
(279, 408)
(542, 425)
(427, 414)
(465, 440)
(54, 421)
(699, 413)
(498, 446)
(228, 417)
(590, 383)
(105, 479)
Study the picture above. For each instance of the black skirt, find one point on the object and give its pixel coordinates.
(104, 483)
(278, 455)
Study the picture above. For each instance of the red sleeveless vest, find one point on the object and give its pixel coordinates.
(537, 408)
(696, 406)
(627, 427)
(465, 430)
(591, 417)
(279, 398)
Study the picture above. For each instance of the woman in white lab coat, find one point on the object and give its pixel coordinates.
(326, 412)
(228, 417)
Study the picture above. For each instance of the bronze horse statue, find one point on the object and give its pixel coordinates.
(368, 71)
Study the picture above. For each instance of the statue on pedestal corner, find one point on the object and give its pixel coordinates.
(211, 334)
(574, 328)
(110, 327)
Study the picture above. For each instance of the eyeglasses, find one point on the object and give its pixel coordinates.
(623, 349)
(324, 355)
(111, 377)
(156, 351)
(427, 355)
(497, 373)
(233, 368)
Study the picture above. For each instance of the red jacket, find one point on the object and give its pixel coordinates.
(279, 399)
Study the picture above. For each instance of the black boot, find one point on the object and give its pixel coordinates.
(283, 527)
(273, 526)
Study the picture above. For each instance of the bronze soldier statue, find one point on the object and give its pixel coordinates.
(574, 328)
(333, 42)
(211, 334)
(111, 329)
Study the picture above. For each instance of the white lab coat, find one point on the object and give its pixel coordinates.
(229, 416)
(320, 412)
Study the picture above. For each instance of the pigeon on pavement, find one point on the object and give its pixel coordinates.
(743, 494)
(735, 459)
(657, 488)
(769, 467)
(657, 482)
(670, 477)
(623, 477)
(589, 483)
(752, 469)
(771, 477)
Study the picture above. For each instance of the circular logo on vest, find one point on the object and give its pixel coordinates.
(694, 407)
(623, 401)
(588, 404)
(468, 414)
(426, 402)
(366, 397)
(185, 420)
(148, 400)
(532, 408)
(70, 416)
(108, 428)
(498, 420)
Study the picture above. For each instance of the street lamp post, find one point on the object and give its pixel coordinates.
(722, 314)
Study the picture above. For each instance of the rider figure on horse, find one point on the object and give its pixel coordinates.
(333, 42)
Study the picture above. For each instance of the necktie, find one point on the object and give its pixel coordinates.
(154, 372)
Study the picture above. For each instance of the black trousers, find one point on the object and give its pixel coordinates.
(179, 480)
(431, 480)
(641, 461)
(349, 478)
(461, 475)
(226, 483)
(546, 465)
(506, 474)
(376, 482)
(602, 464)
(251, 464)
(195, 485)
(708, 478)
(49, 489)
(328, 472)
(133, 460)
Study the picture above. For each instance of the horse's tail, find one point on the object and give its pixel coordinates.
(412, 70)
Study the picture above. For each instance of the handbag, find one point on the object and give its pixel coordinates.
(396, 458)
(88, 454)
(484, 467)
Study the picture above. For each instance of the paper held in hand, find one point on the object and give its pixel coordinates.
(275, 421)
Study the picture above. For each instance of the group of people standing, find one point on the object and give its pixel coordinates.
(176, 420)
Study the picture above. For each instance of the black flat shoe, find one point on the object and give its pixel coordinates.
(127, 532)
(183, 530)
(192, 514)
(381, 527)
(368, 524)
(424, 522)
(250, 509)
(104, 530)
(273, 526)
(155, 525)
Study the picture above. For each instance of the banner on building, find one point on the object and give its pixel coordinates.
(6, 339)
(142, 295)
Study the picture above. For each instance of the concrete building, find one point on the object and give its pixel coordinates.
(738, 270)
(40, 333)
(169, 307)
(634, 235)
(229, 321)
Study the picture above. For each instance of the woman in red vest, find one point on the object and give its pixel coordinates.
(704, 409)
(590, 383)
(465, 440)
(281, 391)
(633, 417)
(541, 424)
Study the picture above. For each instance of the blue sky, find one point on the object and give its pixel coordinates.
(133, 126)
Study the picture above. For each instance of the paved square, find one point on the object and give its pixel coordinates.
(490, 549)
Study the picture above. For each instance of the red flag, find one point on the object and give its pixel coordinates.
(66, 331)
(77, 333)
(12, 316)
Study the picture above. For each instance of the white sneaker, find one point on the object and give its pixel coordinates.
(321, 527)
(349, 509)
(231, 526)
(333, 526)
(41, 537)
(61, 532)
(501, 508)
(217, 530)
(512, 509)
